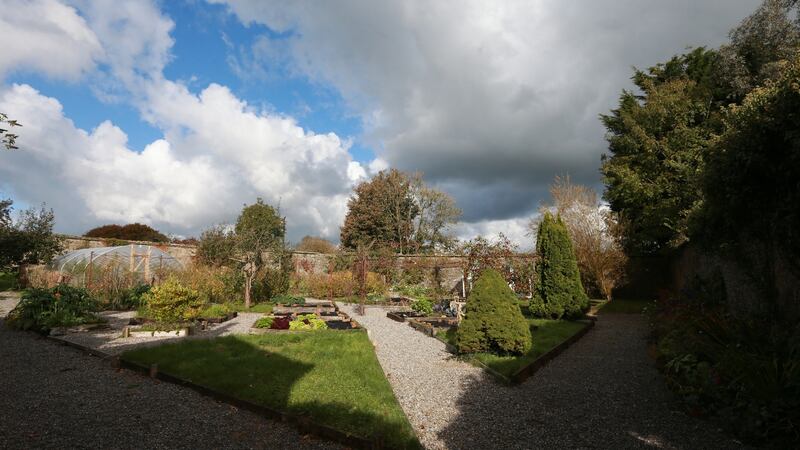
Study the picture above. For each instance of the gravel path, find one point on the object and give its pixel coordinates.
(52, 396)
(603, 392)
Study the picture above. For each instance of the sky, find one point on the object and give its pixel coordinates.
(177, 113)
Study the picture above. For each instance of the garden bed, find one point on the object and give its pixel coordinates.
(330, 378)
(550, 338)
(148, 330)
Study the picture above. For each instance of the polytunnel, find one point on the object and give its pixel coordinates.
(142, 261)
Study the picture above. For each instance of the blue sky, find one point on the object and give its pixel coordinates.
(176, 113)
(201, 56)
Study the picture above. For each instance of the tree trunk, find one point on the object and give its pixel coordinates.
(248, 283)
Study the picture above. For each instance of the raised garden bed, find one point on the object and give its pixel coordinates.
(335, 321)
(550, 338)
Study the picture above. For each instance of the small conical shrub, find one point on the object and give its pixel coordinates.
(559, 291)
(492, 320)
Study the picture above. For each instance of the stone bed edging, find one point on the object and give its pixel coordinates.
(302, 423)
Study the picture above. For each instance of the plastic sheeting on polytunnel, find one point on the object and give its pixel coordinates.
(144, 261)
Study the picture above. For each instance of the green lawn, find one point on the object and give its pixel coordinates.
(546, 335)
(621, 306)
(331, 376)
(8, 281)
(264, 308)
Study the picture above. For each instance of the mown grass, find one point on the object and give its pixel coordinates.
(331, 376)
(622, 306)
(263, 308)
(8, 281)
(546, 335)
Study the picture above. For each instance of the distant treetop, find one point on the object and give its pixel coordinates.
(130, 232)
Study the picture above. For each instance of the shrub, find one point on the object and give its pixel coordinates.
(422, 306)
(131, 299)
(43, 309)
(213, 284)
(216, 311)
(493, 321)
(342, 284)
(40, 277)
(264, 322)
(744, 371)
(307, 322)
(559, 291)
(171, 301)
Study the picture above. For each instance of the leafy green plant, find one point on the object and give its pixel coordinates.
(744, 371)
(216, 311)
(171, 301)
(307, 322)
(264, 322)
(493, 321)
(422, 306)
(61, 306)
(130, 299)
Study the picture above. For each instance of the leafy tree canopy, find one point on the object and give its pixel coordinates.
(129, 232)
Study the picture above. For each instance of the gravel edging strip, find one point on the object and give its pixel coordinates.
(526, 372)
(302, 423)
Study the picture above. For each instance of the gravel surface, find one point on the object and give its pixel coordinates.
(52, 396)
(603, 392)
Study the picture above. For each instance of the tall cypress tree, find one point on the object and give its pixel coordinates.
(559, 291)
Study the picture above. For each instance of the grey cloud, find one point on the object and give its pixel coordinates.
(489, 99)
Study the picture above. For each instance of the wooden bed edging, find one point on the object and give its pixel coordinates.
(301, 423)
(526, 372)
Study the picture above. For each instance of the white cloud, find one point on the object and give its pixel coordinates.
(46, 36)
(515, 230)
(217, 152)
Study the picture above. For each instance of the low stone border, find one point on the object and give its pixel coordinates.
(302, 423)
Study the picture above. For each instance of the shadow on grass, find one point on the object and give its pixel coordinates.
(332, 378)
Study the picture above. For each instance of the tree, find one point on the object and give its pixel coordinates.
(217, 246)
(437, 211)
(758, 48)
(399, 211)
(259, 238)
(381, 211)
(559, 292)
(658, 140)
(8, 139)
(592, 228)
(750, 184)
(492, 320)
(129, 232)
(656, 151)
(315, 244)
(28, 241)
